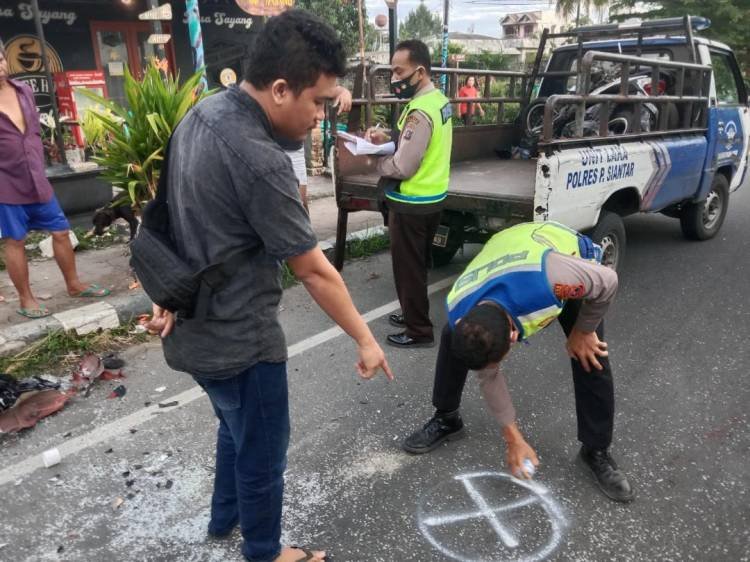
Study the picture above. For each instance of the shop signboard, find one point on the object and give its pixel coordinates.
(24, 56)
(265, 7)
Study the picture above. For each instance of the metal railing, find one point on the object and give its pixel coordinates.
(517, 84)
(692, 121)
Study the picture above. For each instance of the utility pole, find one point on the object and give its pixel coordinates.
(51, 83)
(444, 57)
(392, 27)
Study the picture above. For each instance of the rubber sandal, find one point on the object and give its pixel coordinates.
(93, 291)
(34, 314)
(309, 554)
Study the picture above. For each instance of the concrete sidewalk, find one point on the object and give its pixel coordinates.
(109, 268)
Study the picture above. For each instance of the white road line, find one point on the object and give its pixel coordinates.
(122, 425)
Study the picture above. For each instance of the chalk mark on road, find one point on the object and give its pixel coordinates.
(538, 495)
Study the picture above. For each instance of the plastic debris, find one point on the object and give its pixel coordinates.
(11, 389)
(118, 392)
(28, 412)
(168, 404)
(112, 362)
(51, 457)
(160, 389)
(116, 503)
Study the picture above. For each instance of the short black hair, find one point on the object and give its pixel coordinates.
(482, 336)
(296, 46)
(419, 54)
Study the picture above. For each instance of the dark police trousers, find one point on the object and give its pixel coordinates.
(594, 391)
(411, 256)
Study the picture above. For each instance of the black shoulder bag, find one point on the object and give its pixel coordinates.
(167, 278)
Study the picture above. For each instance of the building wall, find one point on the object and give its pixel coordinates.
(67, 29)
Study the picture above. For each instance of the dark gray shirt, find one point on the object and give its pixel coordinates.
(231, 186)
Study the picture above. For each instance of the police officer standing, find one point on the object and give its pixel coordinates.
(416, 180)
(523, 279)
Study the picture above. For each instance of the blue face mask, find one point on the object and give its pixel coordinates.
(404, 89)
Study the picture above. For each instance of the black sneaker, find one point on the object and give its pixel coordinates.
(402, 340)
(611, 480)
(446, 427)
(396, 320)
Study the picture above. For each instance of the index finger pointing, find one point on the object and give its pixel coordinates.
(387, 370)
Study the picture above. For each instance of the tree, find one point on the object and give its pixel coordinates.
(421, 23)
(728, 19)
(342, 15)
(575, 7)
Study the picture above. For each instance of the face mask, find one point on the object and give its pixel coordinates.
(404, 89)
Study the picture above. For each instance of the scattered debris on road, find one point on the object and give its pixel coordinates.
(51, 457)
(118, 392)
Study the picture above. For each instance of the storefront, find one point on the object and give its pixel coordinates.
(92, 41)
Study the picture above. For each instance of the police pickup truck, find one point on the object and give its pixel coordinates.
(624, 119)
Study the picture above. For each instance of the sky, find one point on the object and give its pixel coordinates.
(484, 15)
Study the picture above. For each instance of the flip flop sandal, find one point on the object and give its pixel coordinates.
(309, 555)
(34, 313)
(93, 291)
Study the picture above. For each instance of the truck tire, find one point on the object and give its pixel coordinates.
(443, 256)
(609, 233)
(701, 221)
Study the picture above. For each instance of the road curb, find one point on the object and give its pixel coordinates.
(124, 307)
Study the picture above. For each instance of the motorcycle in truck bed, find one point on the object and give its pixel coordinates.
(627, 119)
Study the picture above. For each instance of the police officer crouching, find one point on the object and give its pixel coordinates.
(523, 279)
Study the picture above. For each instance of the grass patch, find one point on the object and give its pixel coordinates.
(354, 249)
(367, 247)
(59, 350)
(116, 235)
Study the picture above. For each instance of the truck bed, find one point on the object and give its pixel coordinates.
(506, 180)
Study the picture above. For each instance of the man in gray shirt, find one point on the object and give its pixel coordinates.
(232, 189)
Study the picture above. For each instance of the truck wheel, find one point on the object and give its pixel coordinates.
(701, 221)
(609, 233)
(442, 256)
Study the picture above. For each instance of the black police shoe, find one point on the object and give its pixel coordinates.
(402, 340)
(611, 480)
(396, 320)
(441, 427)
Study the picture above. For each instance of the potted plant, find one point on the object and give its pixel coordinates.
(130, 145)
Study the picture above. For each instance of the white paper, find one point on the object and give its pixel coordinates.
(359, 146)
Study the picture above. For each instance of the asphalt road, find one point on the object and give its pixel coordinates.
(678, 338)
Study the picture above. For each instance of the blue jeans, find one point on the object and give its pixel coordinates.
(253, 412)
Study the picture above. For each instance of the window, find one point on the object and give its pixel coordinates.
(528, 30)
(725, 77)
